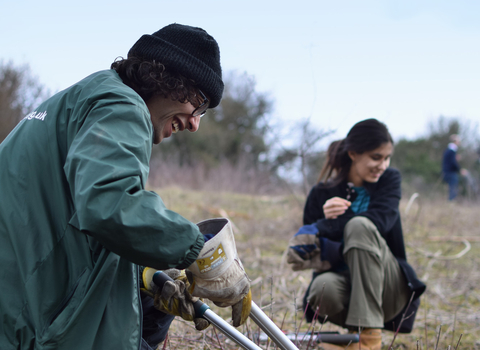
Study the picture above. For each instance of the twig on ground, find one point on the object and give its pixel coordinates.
(218, 339)
(404, 317)
(437, 256)
(410, 202)
(283, 321)
(295, 316)
(271, 309)
(300, 325)
(313, 327)
(310, 327)
(426, 335)
(456, 347)
(204, 336)
(438, 336)
(453, 238)
(317, 310)
(454, 324)
(165, 342)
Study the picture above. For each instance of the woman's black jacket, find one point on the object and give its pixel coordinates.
(383, 211)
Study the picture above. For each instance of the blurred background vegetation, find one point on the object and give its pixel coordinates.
(240, 166)
(243, 148)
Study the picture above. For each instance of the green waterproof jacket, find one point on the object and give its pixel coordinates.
(76, 220)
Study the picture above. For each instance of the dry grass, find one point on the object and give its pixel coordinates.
(433, 230)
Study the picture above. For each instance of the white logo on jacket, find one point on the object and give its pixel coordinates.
(36, 115)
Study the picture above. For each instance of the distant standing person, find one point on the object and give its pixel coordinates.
(451, 168)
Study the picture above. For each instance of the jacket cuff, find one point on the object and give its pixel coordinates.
(332, 252)
(193, 253)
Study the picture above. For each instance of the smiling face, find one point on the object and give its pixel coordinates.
(169, 117)
(370, 165)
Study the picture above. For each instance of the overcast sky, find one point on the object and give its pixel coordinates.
(336, 62)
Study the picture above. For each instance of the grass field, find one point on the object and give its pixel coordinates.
(443, 245)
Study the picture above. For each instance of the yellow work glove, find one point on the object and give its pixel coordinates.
(218, 273)
(173, 298)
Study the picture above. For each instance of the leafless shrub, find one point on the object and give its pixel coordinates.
(20, 92)
(239, 178)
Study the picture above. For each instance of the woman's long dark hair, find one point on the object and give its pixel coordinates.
(364, 136)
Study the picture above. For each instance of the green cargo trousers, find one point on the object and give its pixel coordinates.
(371, 291)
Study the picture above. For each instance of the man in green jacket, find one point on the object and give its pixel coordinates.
(75, 218)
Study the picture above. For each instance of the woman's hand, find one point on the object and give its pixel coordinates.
(335, 207)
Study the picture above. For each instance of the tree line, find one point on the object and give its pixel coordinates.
(239, 148)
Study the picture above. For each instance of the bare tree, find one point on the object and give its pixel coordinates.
(19, 93)
(304, 155)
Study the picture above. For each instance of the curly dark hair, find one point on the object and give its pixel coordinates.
(151, 78)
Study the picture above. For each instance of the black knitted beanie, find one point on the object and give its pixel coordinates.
(191, 51)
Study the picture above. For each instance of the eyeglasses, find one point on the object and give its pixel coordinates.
(200, 110)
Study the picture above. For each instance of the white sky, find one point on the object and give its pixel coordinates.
(403, 62)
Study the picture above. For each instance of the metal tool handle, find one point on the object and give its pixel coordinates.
(318, 337)
(202, 310)
(342, 339)
(270, 328)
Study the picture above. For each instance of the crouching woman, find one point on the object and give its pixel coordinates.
(361, 278)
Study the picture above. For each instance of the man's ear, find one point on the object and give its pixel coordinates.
(352, 155)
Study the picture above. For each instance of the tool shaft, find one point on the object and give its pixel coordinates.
(270, 328)
(230, 331)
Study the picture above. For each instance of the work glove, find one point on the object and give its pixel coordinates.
(218, 273)
(173, 298)
(304, 250)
